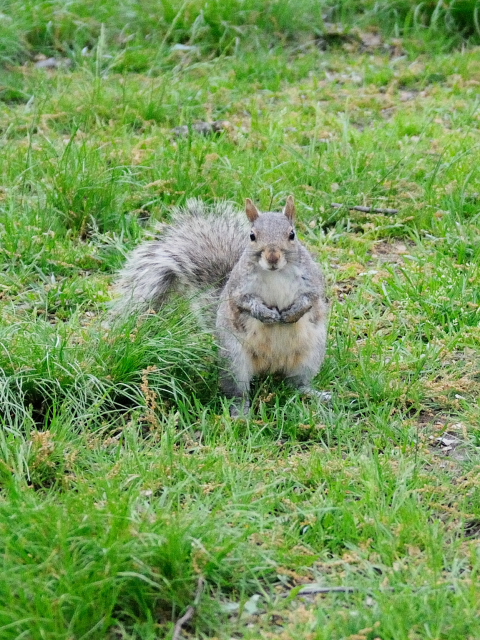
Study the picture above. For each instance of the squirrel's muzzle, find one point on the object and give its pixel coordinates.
(273, 258)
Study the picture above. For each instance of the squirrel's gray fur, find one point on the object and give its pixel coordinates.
(264, 293)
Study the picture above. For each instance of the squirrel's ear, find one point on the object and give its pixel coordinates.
(289, 210)
(252, 211)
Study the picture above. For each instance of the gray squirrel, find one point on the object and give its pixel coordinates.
(270, 312)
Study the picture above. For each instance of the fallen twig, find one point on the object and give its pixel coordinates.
(314, 588)
(190, 612)
(338, 205)
(309, 589)
(188, 615)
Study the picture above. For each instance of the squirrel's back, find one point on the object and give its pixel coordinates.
(195, 253)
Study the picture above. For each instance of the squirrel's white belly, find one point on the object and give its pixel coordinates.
(282, 348)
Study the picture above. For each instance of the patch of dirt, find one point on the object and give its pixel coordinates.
(358, 41)
(390, 252)
(444, 438)
(428, 418)
(449, 445)
(344, 288)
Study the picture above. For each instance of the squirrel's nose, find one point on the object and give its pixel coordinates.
(273, 256)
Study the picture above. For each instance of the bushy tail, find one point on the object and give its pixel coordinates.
(194, 255)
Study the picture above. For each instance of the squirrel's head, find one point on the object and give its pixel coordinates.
(272, 237)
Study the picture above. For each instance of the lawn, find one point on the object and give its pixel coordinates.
(128, 496)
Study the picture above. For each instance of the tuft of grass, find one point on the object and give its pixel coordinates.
(460, 17)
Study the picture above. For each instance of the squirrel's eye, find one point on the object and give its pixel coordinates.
(253, 237)
(291, 235)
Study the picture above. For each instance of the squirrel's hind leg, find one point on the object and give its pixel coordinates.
(301, 375)
(301, 379)
(308, 390)
(235, 376)
(236, 389)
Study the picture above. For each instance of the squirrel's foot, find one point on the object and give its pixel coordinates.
(321, 396)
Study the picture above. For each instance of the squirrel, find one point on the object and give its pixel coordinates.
(267, 294)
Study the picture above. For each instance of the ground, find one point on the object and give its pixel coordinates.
(128, 494)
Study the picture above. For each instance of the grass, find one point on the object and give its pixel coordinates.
(123, 479)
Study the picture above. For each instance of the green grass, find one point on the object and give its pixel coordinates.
(123, 480)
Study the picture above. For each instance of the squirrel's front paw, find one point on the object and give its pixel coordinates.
(289, 316)
(268, 316)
